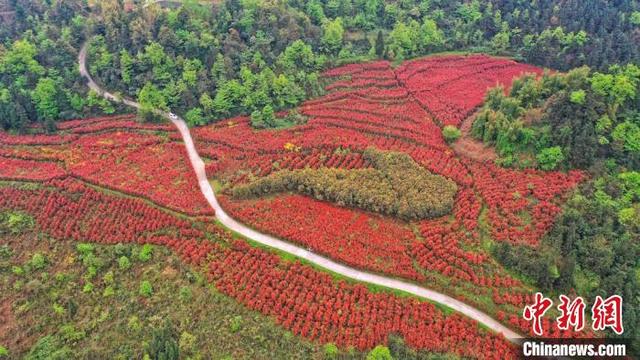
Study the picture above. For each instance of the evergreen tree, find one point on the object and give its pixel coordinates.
(379, 46)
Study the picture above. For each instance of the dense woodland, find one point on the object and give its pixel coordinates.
(212, 60)
(589, 120)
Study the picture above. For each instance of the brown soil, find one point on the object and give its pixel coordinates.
(8, 324)
(472, 148)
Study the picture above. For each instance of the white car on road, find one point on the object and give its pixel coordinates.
(173, 116)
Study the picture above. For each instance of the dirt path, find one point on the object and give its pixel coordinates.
(470, 147)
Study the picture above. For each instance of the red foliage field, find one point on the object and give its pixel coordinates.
(309, 303)
(369, 104)
(115, 152)
(341, 233)
(397, 109)
(451, 87)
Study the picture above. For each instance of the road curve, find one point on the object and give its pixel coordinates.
(349, 272)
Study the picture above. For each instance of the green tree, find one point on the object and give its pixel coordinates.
(578, 97)
(256, 119)
(298, 56)
(401, 41)
(615, 88)
(629, 217)
(38, 261)
(229, 97)
(550, 158)
(219, 70)
(333, 34)
(49, 348)
(635, 18)
(430, 36)
(150, 97)
(191, 69)
(470, 11)
(315, 11)
(379, 352)
(194, 117)
(501, 41)
(268, 115)
(15, 223)
(163, 345)
(451, 133)
(146, 289)
(331, 351)
(162, 67)
(379, 45)
(627, 134)
(187, 343)
(20, 59)
(286, 92)
(45, 99)
(126, 66)
(206, 102)
(146, 253)
(124, 263)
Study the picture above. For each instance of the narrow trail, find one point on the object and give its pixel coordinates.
(326, 263)
(470, 147)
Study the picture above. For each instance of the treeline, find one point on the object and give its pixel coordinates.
(561, 35)
(211, 60)
(222, 59)
(593, 248)
(395, 186)
(589, 120)
(571, 120)
(207, 61)
(39, 81)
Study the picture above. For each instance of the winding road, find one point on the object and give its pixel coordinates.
(346, 271)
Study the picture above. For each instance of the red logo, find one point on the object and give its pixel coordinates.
(572, 313)
(536, 311)
(608, 314)
(604, 313)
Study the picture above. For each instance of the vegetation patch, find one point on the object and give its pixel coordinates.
(395, 186)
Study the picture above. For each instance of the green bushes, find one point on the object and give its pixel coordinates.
(84, 249)
(379, 352)
(70, 334)
(145, 253)
(550, 158)
(58, 309)
(331, 351)
(38, 261)
(49, 348)
(187, 343)
(236, 324)
(163, 344)
(108, 291)
(578, 97)
(395, 186)
(185, 294)
(134, 324)
(451, 133)
(146, 289)
(590, 116)
(14, 223)
(87, 288)
(124, 263)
